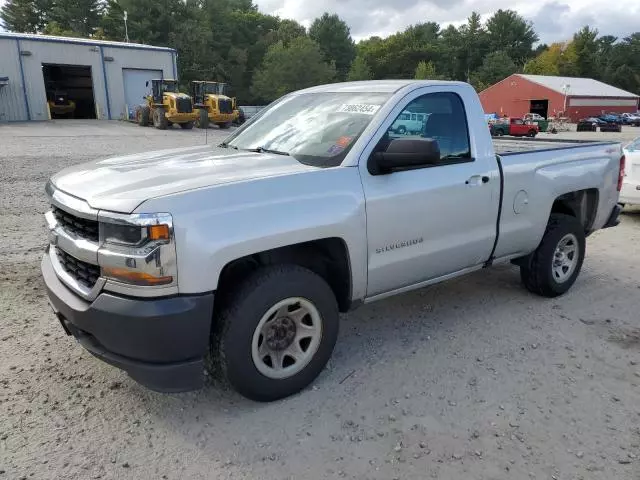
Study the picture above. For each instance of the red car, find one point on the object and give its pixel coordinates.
(515, 127)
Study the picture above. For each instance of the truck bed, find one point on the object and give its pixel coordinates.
(512, 146)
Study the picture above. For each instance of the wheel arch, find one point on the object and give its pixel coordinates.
(327, 257)
(581, 204)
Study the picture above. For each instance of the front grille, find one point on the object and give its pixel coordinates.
(84, 273)
(183, 105)
(226, 106)
(80, 227)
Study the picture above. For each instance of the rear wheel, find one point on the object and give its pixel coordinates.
(186, 126)
(553, 268)
(276, 333)
(402, 130)
(160, 119)
(532, 133)
(142, 115)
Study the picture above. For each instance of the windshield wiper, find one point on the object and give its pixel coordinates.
(226, 145)
(266, 150)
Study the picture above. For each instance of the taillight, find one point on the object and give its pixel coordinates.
(621, 172)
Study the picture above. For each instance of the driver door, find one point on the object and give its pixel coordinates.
(428, 222)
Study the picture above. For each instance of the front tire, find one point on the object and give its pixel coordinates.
(553, 268)
(275, 333)
(160, 119)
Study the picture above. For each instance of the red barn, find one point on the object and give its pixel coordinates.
(578, 98)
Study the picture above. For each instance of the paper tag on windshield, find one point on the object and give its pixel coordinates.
(363, 108)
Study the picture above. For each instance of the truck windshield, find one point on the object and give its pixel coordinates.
(315, 128)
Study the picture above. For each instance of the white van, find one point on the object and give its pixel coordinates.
(409, 122)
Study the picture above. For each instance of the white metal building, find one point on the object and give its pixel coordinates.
(104, 79)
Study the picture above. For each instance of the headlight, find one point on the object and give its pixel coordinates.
(137, 249)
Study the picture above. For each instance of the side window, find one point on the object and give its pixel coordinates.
(518, 122)
(441, 117)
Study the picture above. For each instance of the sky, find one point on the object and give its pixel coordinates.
(554, 20)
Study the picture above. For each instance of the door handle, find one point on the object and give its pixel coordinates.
(477, 180)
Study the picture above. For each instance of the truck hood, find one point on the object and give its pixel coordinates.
(120, 184)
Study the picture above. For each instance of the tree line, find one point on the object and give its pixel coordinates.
(264, 57)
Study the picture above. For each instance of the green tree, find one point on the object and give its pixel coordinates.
(509, 32)
(496, 66)
(285, 69)
(334, 38)
(25, 16)
(426, 71)
(474, 44)
(288, 30)
(359, 70)
(586, 49)
(74, 17)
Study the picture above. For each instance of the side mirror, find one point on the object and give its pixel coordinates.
(147, 83)
(405, 154)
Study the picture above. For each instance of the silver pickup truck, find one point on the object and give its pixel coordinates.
(238, 258)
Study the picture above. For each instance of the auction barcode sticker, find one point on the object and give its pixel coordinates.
(359, 108)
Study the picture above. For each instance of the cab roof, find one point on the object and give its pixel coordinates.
(376, 86)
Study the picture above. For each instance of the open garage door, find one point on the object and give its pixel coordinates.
(69, 90)
(135, 87)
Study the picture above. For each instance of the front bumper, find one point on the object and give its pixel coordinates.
(221, 117)
(175, 117)
(159, 342)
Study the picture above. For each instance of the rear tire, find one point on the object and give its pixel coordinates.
(532, 133)
(242, 332)
(159, 119)
(142, 115)
(186, 126)
(552, 269)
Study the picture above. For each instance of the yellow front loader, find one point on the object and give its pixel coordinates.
(213, 105)
(166, 106)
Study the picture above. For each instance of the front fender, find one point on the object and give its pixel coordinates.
(215, 226)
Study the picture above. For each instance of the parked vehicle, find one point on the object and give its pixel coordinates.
(537, 119)
(534, 117)
(60, 105)
(611, 118)
(516, 127)
(409, 122)
(239, 257)
(632, 119)
(611, 127)
(630, 193)
(590, 124)
(213, 105)
(166, 106)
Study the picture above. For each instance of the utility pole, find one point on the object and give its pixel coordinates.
(126, 30)
(565, 89)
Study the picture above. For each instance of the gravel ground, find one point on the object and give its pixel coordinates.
(474, 378)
